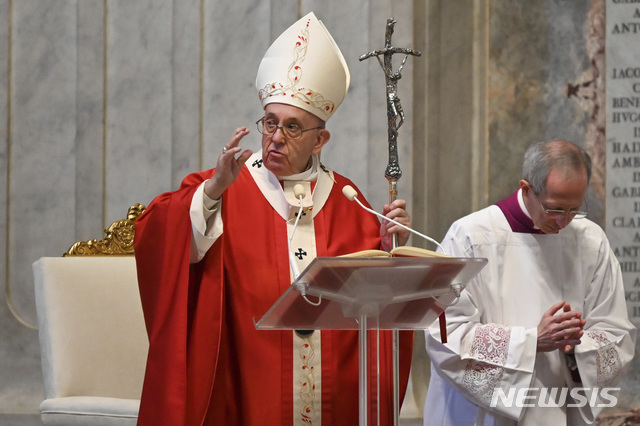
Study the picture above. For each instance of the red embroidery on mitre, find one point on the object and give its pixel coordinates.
(294, 77)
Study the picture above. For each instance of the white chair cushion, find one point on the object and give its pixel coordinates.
(80, 410)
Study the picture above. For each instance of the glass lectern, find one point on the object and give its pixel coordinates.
(372, 293)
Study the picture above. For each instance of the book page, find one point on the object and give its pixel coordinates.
(415, 252)
(407, 251)
(368, 253)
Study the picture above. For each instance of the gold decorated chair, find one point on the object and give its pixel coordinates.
(93, 340)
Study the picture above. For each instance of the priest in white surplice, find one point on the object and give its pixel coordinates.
(546, 316)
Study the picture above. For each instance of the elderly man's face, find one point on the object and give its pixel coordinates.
(561, 193)
(284, 156)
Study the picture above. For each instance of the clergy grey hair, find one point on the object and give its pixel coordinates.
(542, 157)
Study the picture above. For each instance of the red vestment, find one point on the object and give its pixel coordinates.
(207, 363)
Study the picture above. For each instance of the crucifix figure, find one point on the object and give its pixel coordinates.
(395, 114)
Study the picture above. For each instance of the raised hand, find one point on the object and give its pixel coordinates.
(228, 166)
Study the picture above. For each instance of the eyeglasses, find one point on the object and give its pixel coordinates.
(574, 214)
(267, 126)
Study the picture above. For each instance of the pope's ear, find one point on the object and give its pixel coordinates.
(323, 137)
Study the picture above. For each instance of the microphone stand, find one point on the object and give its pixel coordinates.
(393, 172)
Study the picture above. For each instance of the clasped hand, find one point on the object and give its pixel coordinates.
(561, 331)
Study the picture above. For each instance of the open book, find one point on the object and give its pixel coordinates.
(402, 251)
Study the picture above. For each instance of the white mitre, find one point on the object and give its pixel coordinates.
(305, 68)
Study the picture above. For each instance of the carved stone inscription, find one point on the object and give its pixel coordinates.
(623, 143)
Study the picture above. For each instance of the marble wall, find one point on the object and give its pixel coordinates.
(105, 103)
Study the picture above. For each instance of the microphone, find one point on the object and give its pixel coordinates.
(352, 195)
(349, 192)
(300, 193)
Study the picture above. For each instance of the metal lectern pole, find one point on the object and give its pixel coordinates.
(363, 348)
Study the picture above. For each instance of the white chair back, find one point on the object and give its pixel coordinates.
(92, 337)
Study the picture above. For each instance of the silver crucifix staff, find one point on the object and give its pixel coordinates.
(395, 119)
(395, 114)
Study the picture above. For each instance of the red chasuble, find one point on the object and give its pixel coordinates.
(207, 363)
